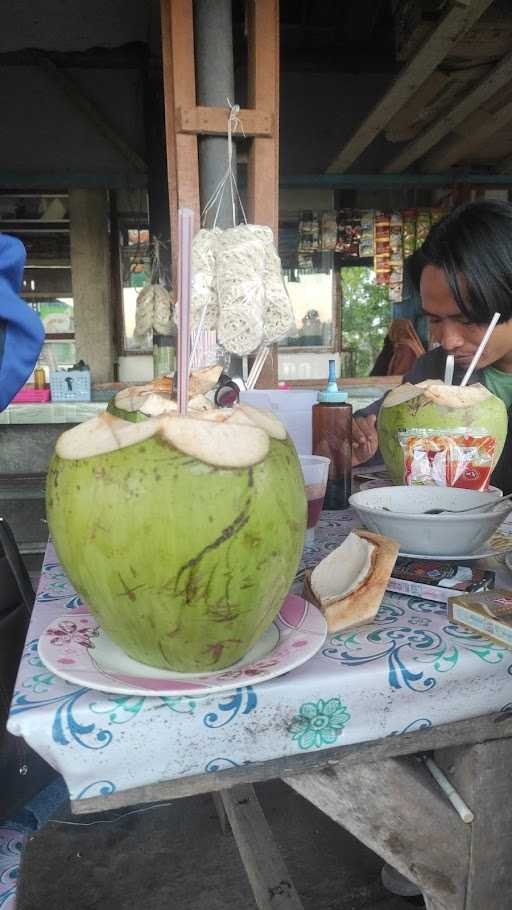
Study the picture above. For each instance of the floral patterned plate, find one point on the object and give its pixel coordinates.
(76, 648)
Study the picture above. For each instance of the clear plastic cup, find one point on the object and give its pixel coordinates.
(315, 469)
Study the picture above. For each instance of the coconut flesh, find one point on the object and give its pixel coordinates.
(432, 405)
(344, 570)
(182, 534)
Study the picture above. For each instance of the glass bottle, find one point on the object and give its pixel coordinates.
(332, 438)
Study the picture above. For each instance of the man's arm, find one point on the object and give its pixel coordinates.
(365, 442)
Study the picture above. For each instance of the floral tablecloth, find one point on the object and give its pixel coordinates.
(408, 669)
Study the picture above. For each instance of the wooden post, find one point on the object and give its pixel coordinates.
(91, 280)
(184, 120)
(269, 878)
(263, 165)
(179, 92)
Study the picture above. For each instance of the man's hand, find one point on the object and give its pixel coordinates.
(365, 441)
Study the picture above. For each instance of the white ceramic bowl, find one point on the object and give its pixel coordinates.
(429, 535)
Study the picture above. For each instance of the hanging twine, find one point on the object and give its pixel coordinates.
(240, 274)
(237, 282)
(278, 315)
(204, 300)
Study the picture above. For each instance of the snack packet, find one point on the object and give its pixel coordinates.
(448, 458)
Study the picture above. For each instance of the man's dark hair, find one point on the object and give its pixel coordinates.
(474, 242)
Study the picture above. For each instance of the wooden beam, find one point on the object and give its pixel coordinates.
(495, 80)
(269, 878)
(473, 730)
(505, 166)
(263, 165)
(212, 121)
(460, 15)
(179, 92)
(474, 130)
(75, 93)
(263, 94)
(386, 808)
(406, 124)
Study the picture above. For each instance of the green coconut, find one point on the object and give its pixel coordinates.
(137, 403)
(183, 535)
(433, 405)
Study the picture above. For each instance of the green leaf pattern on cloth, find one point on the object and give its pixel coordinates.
(319, 723)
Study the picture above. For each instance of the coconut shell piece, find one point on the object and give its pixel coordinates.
(362, 604)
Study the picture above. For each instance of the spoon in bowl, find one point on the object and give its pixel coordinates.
(485, 505)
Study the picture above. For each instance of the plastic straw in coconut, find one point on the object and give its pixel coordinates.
(448, 370)
(185, 231)
(259, 362)
(479, 351)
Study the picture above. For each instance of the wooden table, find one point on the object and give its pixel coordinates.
(375, 786)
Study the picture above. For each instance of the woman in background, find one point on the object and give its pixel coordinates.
(402, 347)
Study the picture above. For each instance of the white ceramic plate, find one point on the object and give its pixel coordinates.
(77, 649)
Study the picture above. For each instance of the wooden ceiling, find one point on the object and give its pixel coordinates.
(450, 105)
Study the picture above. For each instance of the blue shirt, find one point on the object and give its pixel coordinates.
(21, 330)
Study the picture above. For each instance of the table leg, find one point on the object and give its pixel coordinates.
(269, 878)
(397, 810)
(221, 812)
(483, 776)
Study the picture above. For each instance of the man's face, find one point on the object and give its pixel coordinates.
(454, 332)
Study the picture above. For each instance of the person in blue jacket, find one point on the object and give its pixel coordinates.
(29, 788)
(21, 330)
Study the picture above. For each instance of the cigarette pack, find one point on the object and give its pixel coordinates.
(489, 613)
(437, 580)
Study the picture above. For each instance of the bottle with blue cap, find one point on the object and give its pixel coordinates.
(332, 438)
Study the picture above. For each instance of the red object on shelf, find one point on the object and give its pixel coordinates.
(31, 396)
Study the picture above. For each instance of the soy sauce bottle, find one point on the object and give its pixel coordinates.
(332, 438)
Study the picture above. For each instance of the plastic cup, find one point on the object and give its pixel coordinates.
(315, 470)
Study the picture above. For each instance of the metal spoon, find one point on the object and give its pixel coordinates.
(485, 505)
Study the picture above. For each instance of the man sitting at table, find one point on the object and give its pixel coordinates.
(463, 273)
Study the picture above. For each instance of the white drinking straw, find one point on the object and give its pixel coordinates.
(480, 348)
(448, 370)
(455, 798)
(185, 232)
(259, 362)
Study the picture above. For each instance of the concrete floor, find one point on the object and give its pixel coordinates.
(174, 857)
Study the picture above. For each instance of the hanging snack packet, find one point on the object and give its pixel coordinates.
(367, 244)
(422, 226)
(329, 231)
(448, 458)
(382, 247)
(409, 231)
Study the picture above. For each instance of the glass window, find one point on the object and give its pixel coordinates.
(135, 275)
(366, 316)
(313, 297)
(41, 221)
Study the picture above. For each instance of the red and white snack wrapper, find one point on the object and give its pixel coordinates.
(448, 458)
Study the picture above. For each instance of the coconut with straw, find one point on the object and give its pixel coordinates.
(182, 531)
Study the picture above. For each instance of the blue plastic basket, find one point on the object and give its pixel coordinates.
(70, 385)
